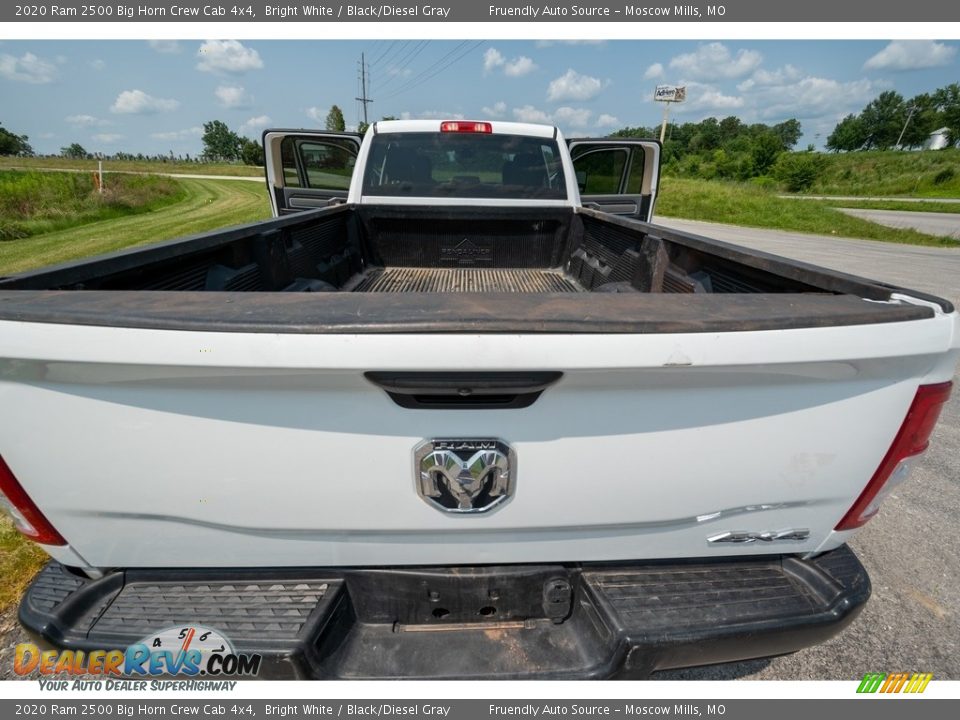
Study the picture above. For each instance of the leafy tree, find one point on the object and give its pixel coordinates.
(765, 150)
(883, 119)
(362, 127)
(335, 121)
(220, 142)
(924, 117)
(251, 152)
(74, 151)
(789, 132)
(849, 134)
(948, 100)
(12, 144)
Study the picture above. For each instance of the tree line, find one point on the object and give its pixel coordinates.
(730, 149)
(890, 121)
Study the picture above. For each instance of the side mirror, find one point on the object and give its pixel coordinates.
(582, 180)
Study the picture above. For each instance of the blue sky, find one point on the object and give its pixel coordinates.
(153, 96)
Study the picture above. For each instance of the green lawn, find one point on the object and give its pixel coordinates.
(205, 205)
(752, 206)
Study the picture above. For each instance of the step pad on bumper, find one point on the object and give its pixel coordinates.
(597, 620)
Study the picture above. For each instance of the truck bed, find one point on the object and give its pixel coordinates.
(378, 268)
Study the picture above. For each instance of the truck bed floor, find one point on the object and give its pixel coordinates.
(446, 280)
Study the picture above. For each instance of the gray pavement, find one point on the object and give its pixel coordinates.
(930, 269)
(931, 223)
(912, 548)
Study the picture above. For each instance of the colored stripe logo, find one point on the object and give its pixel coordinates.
(894, 682)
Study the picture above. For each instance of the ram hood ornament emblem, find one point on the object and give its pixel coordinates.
(465, 475)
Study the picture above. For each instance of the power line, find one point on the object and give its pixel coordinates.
(409, 59)
(388, 58)
(384, 52)
(437, 67)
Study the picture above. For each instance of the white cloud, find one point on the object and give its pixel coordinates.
(704, 100)
(27, 68)
(107, 137)
(318, 114)
(813, 97)
(516, 67)
(255, 124)
(227, 56)
(137, 102)
(607, 120)
(530, 114)
(191, 132)
(762, 78)
(497, 110)
(165, 46)
(572, 117)
(654, 71)
(402, 72)
(713, 61)
(233, 96)
(492, 59)
(84, 120)
(574, 86)
(716, 100)
(911, 55)
(98, 64)
(566, 116)
(519, 66)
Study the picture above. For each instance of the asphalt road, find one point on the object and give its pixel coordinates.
(912, 549)
(932, 223)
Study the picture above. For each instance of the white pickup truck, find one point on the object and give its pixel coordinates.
(459, 410)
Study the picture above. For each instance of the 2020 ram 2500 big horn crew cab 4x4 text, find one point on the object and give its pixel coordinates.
(460, 410)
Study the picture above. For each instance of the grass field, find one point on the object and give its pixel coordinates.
(205, 205)
(751, 206)
(140, 166)
(890, 173)
(34, 202)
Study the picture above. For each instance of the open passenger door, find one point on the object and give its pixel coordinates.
(617, 176)
(307, 169)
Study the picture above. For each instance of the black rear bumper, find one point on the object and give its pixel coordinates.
(578, 621)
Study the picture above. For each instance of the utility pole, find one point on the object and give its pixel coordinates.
(363, 88)
(909, 115)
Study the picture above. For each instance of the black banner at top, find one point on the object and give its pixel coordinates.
(480, 11)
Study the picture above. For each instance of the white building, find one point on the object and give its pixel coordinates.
(938, 139)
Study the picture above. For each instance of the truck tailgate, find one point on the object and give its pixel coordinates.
(238, 449)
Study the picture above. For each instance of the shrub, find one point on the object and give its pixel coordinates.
(944, 176)
(798, 171)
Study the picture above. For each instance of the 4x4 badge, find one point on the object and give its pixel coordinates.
(465, 475)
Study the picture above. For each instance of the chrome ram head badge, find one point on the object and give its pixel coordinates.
(465, 475)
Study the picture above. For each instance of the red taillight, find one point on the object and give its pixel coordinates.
(912, 439)
(26, 516)
(465, 126)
